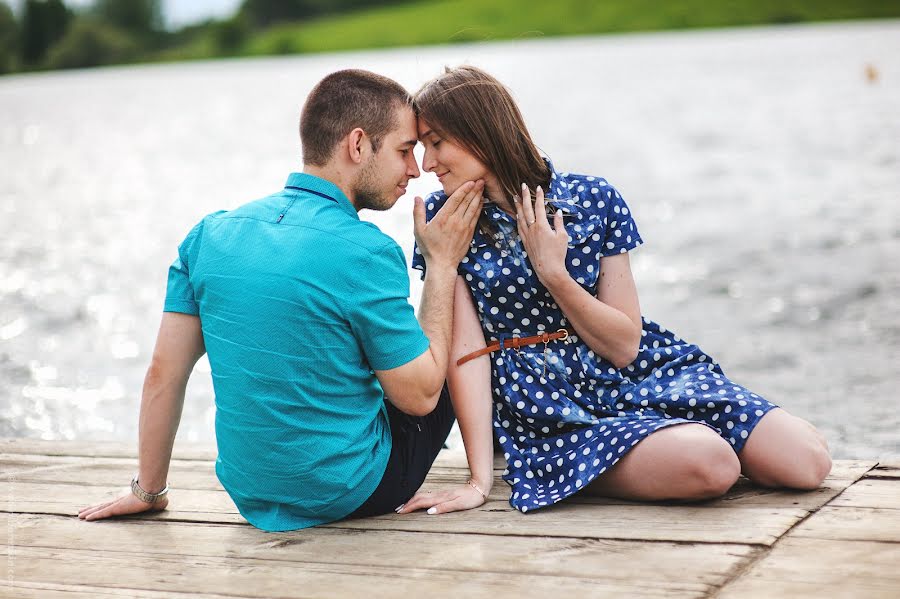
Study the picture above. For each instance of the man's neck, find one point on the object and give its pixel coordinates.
(333, 174)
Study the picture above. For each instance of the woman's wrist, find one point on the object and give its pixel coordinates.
(483, 482)
(553, 279)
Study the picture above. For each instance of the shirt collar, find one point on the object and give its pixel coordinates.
(321, 187)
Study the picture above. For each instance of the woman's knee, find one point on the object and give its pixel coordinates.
(786, 451)
(714, 468)
(815, 466)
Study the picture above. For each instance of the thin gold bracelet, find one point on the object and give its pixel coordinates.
(476, 487)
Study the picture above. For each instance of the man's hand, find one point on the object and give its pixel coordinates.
(461, 498)
(445, 240)
(123, 506)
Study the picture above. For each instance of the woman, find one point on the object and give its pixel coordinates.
(591, 397)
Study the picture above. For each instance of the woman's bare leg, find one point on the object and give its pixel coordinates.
(785, 451)
(686, 462)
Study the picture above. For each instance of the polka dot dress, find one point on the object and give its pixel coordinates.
(563, 414)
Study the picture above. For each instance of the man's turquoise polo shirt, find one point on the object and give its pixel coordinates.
(299, 302)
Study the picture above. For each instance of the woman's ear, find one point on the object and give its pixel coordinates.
(358, 144)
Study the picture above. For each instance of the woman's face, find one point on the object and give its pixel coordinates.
(453, 164)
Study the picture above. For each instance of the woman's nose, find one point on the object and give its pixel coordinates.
(428, 161)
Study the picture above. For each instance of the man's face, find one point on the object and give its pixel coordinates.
(385, 176)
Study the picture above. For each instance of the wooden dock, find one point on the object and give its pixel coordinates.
(842, 540)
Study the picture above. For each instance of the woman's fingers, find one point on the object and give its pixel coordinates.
(527, 208)
(454, 505)
(540, 214)
(442, 502)
(559, 226)
(421, 500)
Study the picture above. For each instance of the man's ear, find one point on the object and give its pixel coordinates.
(358, 143)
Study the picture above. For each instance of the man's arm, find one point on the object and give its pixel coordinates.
(178, 347)
(416, 386)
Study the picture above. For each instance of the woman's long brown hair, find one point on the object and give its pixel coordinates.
(471, 108)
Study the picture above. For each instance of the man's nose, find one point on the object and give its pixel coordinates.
(412, 168)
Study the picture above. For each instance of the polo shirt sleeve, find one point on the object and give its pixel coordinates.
(380, 314)
(179, 290)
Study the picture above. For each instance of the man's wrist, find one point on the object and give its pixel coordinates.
(441, 273)
(144, 495)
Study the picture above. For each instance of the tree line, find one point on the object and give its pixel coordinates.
(47, 34)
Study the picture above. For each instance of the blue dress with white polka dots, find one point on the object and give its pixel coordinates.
(563, 414)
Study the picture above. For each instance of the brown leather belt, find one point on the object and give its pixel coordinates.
(512, 342)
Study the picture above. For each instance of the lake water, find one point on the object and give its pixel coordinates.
(762, 166)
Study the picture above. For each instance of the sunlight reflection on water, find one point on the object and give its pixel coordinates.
(762, 167)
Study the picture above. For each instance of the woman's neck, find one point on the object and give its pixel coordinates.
(495, 194)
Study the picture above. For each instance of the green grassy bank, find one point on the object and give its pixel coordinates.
(454, 21)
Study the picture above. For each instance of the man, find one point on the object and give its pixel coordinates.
(303, 310)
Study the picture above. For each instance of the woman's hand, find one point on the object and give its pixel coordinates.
(123, 506)
(464, 497)
(546, 245)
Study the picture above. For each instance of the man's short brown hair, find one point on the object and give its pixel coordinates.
(343, 101)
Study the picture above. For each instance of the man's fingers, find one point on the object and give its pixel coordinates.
(458, 197)
(473, 209)
(418, 213)
(84, 513)
(94, 508)
(100, 514)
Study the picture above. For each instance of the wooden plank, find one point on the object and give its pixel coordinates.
(267, 578)
(67, 500)
(183, 474)
(871, 492)
(183, 450)
(851, 523)
(635, 521)
(886, 469)
(625, 521)
(40, 590)
(797, 568)
(701, 564)
(747, 494)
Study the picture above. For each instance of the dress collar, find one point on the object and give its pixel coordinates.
(557, 195)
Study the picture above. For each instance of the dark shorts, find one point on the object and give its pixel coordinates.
(416, 442)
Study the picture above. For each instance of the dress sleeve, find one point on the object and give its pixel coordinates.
(433, 203)
(621, 233)
(380, 314)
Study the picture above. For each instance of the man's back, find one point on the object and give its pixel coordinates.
(299, 301)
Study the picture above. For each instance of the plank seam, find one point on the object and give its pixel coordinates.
(748, 565)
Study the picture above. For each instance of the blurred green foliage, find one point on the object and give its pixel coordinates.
(90, 43)
(48, 35)
(9, 40)
(44, 22)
